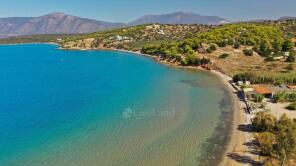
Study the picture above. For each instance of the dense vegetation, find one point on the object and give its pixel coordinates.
(276, 138)
(244, 34)
(183, 52)
(284, 97)
(284, 78)
(265, 40)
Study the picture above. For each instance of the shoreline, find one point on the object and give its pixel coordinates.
(236, 138)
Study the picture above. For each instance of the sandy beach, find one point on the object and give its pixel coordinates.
(236, 150)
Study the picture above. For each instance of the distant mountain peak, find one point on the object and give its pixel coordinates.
(57, 13)
(61, 23)
(179, 17)
(54, 23)
(286, 18)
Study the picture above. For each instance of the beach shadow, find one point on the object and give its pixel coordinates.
(253, 147)
(245, 128)
(252, 143)
(244, 159)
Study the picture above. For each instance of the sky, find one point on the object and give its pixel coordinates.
(128, 10)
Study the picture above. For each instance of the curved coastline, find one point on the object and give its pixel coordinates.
(236, 116)
(232, 114)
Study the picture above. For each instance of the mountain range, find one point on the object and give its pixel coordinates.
(55, 23)
(60, 23)
(180, 18)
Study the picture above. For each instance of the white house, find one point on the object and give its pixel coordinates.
(287, 54)
(247, 82)
(240, 83)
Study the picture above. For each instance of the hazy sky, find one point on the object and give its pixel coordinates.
(127, 10)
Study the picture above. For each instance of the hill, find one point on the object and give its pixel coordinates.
(179, 18)
(257, 48)
(55, 23)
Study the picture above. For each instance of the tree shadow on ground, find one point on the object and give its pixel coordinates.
(245, 128)
(253, 147)
(244, 159)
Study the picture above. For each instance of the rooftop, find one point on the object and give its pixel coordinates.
(262, 90)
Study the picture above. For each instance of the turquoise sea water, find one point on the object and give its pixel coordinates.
(75, 108)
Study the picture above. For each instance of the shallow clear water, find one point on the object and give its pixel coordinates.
(75, 108)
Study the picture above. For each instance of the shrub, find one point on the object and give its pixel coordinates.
(284, 97)
(279, 97)
(222, 43)
(205, 61)
(290, 58)
(248, 52)
(264, 122)
(292, 106)
(258, 98)
(209, 50)
(243, 77)
(223, 56)
(291, 97)
(212, 48)
(184, 62)
(236, 45)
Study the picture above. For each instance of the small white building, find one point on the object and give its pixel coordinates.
(247, 82)
(240, 83)
(120, 38)
(161, 32)
(287, 54)
(278, 57)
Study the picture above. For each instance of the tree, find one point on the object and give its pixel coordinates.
(278, 138)
(277, 46)
(248, 52)
(287, 46)
(236, 45)
(265, 141)
(264, 122)
(285, 146)
(188, 50)
(263, 49)
(285, 124)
